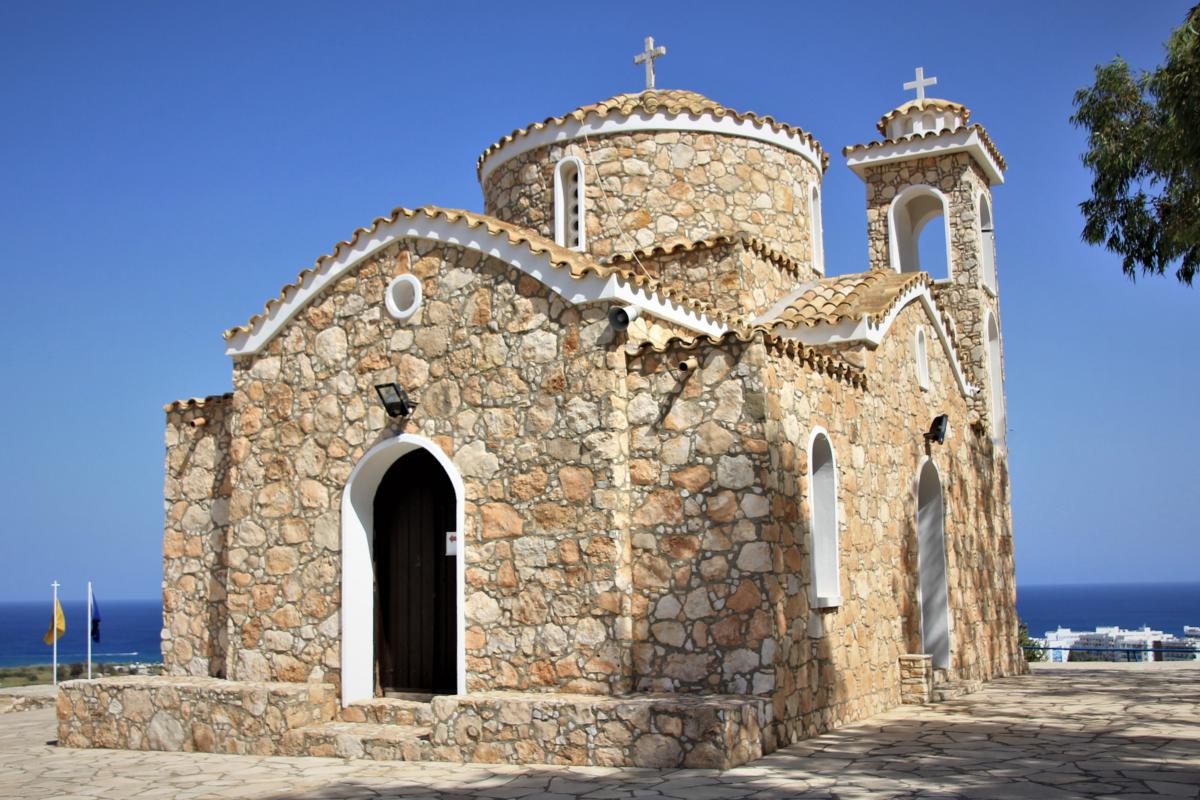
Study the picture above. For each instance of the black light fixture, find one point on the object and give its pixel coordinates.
(937, 430)
(395, 400)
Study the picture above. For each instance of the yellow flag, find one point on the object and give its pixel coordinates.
(57, 627)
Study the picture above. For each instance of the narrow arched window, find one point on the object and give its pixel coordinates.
(922, 359)
(569, 222)
(822, 499)
(995, 378)
(987, 243)
(919, 232)
(818, 233)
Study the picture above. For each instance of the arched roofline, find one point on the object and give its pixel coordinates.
(864, 330)
(573, 276)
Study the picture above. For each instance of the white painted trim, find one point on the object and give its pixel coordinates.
(816, 600)
(965, 140)
(358, 574)
(921, 351)
(389, 296)
(816, 223)
(595, 125)
(904, 197)
(945, 559)
(864, 331)
(995, 365)
(560, 204)
(588, 289)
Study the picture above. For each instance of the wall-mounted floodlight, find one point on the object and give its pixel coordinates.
(395, 400)
(938, 429)
(620, 316)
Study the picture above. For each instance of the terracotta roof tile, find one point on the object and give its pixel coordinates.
(783, 262)
(198, 402)
(578, 264)
(673, 102)
(864, 294)
(983, 136)
(825, 363)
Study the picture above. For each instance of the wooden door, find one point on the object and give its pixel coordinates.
(415, 602)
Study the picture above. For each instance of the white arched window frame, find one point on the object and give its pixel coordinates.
(909, 213)
(995, 378)
(822, 505)
(987, 243)
(570, 229)
(921, 353)
(818, 229)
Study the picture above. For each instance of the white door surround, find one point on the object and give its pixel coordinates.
(358, 574)
(931, 566)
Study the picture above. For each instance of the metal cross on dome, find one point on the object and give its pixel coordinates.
(648, 57)
(920, 83)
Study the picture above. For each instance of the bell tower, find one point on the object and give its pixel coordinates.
(932, 167)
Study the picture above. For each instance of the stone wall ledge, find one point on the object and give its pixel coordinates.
(639, 730)
(190, 714)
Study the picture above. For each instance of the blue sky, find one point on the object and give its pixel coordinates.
(167, 167)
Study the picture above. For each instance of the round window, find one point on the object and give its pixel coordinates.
(403, 297)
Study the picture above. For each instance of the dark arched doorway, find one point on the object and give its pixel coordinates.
(931, 560)
(415, 609)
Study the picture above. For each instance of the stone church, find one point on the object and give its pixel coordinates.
(616, 472)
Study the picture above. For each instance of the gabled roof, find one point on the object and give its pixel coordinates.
(855, 296)
(860, 308)
(971, 139)
(672, 247)
(671, 103)
(573, 275)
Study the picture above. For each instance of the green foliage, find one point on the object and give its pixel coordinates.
(1144, 154)
(1023, 641)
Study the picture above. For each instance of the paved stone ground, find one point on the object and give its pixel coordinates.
(1073, 731)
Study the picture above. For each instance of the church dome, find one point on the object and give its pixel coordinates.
(644, 107)
(926, 115)
(640, 169)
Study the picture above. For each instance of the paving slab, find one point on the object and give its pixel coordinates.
(1064, 731)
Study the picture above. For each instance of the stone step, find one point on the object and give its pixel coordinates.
(390, 711)
(361, 740)
(954, 689)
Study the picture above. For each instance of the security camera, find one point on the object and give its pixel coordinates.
(620, 316)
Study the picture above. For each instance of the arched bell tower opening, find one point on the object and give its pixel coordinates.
(987, 243)
(917, 242)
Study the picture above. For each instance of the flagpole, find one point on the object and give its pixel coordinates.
(87, 632)
(54, 628)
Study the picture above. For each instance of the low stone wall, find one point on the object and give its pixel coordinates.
(26, 698)
(653, 730)
(206, 715)
(916, 679)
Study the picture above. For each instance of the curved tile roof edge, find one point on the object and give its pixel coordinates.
(824, 363)
(577, 264)
(677, 102)
(197, 402)
(780, 260)
(988, 144)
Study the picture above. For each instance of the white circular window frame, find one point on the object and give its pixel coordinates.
(403, 297)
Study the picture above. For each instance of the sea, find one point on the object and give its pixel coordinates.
(129, 630)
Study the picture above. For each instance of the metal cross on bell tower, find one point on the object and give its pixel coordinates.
(647, 57)
(920, 83)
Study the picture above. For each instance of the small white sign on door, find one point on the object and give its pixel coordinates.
(451, 543)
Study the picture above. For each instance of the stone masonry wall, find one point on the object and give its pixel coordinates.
(648, 188)
(731, 275)
(196, 505)
(519, 389)
(964, 296)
